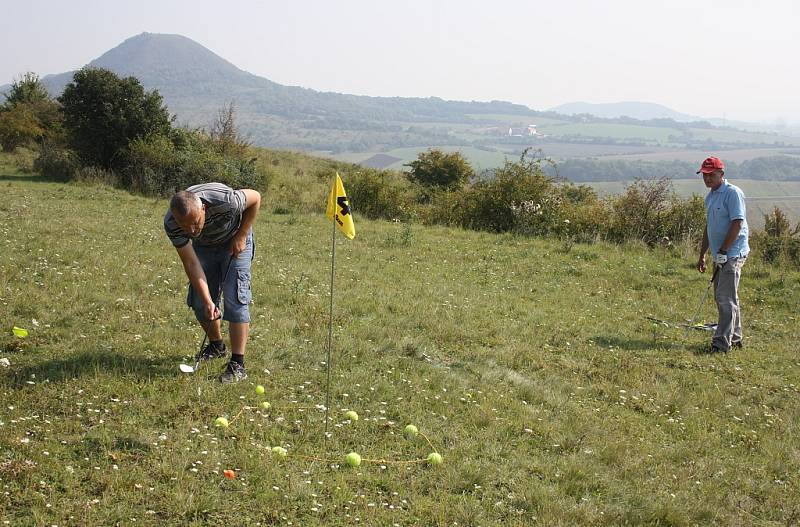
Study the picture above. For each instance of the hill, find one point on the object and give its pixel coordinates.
(528, 364)
(642, 111)
(196, 83)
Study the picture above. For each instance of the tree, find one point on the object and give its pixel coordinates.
(28, 89)
(29, 115)
(224, 133)
(435, 168)
(19, 126)
(103, 113)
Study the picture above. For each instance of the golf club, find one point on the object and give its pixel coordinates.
(703, 299)
(188, 368)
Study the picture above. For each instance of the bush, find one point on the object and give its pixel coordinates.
(520, 197)
(56, 163)
(159, 165)
(437, 169)
(778, 243)
(379, 194)
(651, 212)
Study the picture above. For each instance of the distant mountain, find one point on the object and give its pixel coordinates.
(635, 110)
(195, 83)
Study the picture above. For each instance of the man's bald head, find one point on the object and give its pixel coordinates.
(184, 203)
(189, 213)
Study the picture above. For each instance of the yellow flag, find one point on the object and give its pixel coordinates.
(339, 209)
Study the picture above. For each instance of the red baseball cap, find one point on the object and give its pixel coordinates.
(710, 165)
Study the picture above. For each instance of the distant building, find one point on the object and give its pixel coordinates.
(528, 131)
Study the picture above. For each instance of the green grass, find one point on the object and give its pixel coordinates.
(617, 131)
(738, 136)
(527, 363)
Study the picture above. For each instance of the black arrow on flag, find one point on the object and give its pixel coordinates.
(342, 202)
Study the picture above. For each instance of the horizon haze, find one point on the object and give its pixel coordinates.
(707, 58)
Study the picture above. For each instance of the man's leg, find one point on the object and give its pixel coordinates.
(239, 333)
(737, 336)
(213, 329)
(237, 297)
(727, 305)
(211, 260)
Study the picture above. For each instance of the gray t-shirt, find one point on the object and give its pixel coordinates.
(224, 208)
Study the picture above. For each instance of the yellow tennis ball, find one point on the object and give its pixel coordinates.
(410, 431)
(351, 415)
(434, 458)
(265, 405)
(353, 459)
(221, 422)
(280, 452)
(260, 390)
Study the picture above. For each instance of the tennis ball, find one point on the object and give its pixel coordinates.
(260, 390)
(410, 431)
(351, 415)
(434, 458)
(279, 452)
(353, 459)
(221, 422)
(265, 405)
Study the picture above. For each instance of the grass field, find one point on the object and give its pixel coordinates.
(617, 131)
(528, 364)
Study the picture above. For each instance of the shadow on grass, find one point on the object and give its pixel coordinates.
(34, 178)
(629, 344)
(95, 364)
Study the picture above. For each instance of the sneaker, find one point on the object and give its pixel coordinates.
(211, 352)
(234, 372)
(738, 344)
(715, 349)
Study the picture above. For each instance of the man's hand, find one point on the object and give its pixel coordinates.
(238, 243)
(720, 259)
(211, 311)
(701, 264)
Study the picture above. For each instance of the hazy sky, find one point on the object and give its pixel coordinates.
(713, 58)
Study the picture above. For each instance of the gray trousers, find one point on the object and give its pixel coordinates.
(726, 293)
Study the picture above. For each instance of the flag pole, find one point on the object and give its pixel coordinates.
(330, 326)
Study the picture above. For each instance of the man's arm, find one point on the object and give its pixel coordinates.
(733, 233)
(197, 277)
(252, 204)
(701, 260)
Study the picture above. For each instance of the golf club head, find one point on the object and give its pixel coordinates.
(186, 368)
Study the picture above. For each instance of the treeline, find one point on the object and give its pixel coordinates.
(523, 198)
(106, 128)
(778, 168)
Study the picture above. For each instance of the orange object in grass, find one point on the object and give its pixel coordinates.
(230, 474)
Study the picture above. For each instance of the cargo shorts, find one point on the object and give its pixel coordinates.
(235, 288)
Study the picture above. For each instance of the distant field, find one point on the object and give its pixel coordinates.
(670, 154)
(617, 131)
(480, 159)
(538, 121)
(762, 196)
(735, 136)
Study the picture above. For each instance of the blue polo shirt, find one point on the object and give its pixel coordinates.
(722, 207)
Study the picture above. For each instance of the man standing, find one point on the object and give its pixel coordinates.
(726, 234)
(210, 225)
